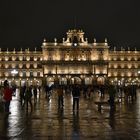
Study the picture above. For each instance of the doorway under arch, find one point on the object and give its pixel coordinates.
(50, 80)
(101, 80)
(75, 80)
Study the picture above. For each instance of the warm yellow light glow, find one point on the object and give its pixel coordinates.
(122, 58)
(122, 65)
(13, 58)
(13, 65)
(6, 74)
(27, 65)
(41, 74)
(129, 65)
(129, 74)
(122, 74)
(136, 65)
(20, 58)
(6, 65)
(35, 65)
(109, 74)
(114, 58)
(115, 74)
(129, 58)
(20, 74)
(20, 66)
(28, 58)
(35, 73)
(6, 58)
(27, 73)
(115, 66)
(35, 58)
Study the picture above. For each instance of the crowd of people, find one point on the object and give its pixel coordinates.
(29, 94)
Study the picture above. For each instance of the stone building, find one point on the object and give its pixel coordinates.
(74, 60)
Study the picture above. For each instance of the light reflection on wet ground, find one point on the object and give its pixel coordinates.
(46, 121)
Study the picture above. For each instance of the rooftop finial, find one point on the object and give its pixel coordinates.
(114, 48)
(44, 42)
(14, 50)
(63, 39)
(86, 40)
(55, 40)
(105, 40)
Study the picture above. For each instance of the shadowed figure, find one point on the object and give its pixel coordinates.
(111, 92)
(76, 96)
(59, 90)
(28, 98)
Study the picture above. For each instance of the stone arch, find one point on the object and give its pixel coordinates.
(50, 80)
(75, 80)
(101, 80)
(63, 80)
(88, 80)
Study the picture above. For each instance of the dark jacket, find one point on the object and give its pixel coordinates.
(75, 92)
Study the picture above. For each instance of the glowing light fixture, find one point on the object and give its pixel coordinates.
(14, 71)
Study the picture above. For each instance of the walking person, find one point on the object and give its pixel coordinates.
(60, 96)
(47, 90)
(112, 93)
(28, 97)
(76, 95)
(22, 94)
(35, 93)
(7, 96)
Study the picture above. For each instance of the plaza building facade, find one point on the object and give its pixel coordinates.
(74, 60)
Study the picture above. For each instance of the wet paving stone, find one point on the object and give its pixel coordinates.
(47, 122)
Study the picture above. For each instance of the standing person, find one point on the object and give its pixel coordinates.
(28, 97)
(76, 95)
(35, 93)
(47, 90)
(112, 93)
(7, 96)
(22, 94)
(60, 96)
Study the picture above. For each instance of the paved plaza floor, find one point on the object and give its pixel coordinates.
(47, 122)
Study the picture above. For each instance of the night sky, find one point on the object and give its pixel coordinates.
(25, 23)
